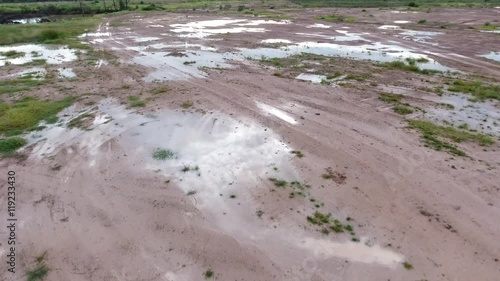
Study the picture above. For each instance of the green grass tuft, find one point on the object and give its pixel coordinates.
(27, 113)
(163, 154)
(433, 134)
(38, 273)
(478, 89)
(407, 265)
(208, 274)
(134, 101)
(403, 110)
(390, 98)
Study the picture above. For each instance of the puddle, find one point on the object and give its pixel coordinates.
(480, 116)
(424, 37)
(66, 72)
(275, 41)
(401, 21)
(27, 21)
(276, 112)
(227, 151)
(52, 54)
(492, 56)
(389, 27)
(346, 37)
(202, 29)
(230, 155)
(319, 25)
(315, 78)
(376, 52)
(169, 66)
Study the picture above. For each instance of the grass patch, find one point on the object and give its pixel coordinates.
(9, 146)
(402, 110)
(478, 89)
(277, 62)
(27, 113)
(433, 134)
(208, 274)
(337, 18)
(187, 104)
(160, 90)
(411, 66)
(38, 273)
(163, 154)
(407, 265)
(20, 84)
(134, 101)
(278, 182)
(297, 153)
(58, 32)
(12, 54)
(390, 98)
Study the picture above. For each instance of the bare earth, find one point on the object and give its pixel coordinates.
(101, 207)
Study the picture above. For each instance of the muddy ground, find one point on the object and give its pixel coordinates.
(102, 208)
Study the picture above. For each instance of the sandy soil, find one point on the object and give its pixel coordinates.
(100, 206)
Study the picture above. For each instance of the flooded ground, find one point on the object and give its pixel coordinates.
(261, 149)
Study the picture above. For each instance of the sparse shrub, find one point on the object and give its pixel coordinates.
(163, 154)
(407, 265)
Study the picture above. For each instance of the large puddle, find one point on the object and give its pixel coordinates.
(30, 52)
(210, 155)
(202, 29)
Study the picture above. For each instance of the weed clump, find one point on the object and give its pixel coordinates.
(10, 145)
(407, 265)
(478, 89)
(390, 98)
(164, 154)
(402, 110)
(433, 134)
(134, 101)
(278, 182)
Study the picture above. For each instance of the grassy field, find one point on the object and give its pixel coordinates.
(60, 32)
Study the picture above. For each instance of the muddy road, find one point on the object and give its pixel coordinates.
(232, 166)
